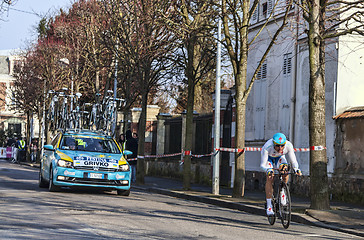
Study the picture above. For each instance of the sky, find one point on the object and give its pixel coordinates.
(17, 27)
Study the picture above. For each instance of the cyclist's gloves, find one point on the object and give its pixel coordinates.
(283, 166)
(298, 172)
(270, 171)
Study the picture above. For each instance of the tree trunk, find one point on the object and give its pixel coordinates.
(39, 147)
(141, 131)
(318, 160)
(239, 180)
(97, 83)
(125, 121)
(240, 98)
(190, 69)
(189, 136)
(48, 132)
(27, 155)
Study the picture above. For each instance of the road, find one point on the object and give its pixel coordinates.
(28, 212)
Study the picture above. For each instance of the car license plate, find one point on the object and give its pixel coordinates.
(96, 175)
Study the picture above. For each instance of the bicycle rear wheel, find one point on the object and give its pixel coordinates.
(284, 201)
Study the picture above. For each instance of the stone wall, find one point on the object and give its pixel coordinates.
(347, 181)
(171, 168)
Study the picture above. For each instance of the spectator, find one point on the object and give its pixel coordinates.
(21, 145)
(11, 142)
(132, 145)
(34, 150)
(135, 135)
(121, 141)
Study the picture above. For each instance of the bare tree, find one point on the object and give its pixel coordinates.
(80, 31)
(5, 5)
(117, 37)
(236, 17)
(326, 19)
(149, 46)
(196, 57)
(33, 71)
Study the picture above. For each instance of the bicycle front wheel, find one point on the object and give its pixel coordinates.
(271, 218)
(284, 201)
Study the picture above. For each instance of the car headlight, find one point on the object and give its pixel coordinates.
(63, 163)
(124, 168)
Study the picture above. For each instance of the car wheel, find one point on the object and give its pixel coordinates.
(123, 192)
(51, 186)
(41, 182)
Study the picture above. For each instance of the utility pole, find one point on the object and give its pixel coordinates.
(216, 159)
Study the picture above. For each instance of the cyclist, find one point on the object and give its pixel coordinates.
(273, 156)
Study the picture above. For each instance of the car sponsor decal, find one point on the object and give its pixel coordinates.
(95, 162)
(83, 136)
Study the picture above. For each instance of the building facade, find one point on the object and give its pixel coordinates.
(10, 121)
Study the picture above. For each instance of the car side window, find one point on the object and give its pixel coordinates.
(56, 140)
(68, 143)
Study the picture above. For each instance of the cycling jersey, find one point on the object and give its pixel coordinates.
(268, 154)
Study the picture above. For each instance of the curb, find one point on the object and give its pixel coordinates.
(295, 217)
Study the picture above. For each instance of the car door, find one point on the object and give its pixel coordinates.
(48, 156)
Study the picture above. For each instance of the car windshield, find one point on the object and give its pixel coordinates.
(89, 144)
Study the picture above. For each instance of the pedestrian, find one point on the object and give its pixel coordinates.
(121, 141)
(132, 145)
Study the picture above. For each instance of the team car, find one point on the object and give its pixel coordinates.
(84, 158)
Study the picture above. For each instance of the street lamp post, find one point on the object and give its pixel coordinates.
(216, 159)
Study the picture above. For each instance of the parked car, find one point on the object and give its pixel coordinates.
(84, 158)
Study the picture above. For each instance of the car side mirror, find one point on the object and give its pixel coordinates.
(49, 147)
(127, 152)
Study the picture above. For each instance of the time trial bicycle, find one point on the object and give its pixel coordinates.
(281, 199)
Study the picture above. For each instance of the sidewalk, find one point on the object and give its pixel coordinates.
(342, 217)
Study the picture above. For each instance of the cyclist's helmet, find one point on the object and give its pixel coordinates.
(279, 139)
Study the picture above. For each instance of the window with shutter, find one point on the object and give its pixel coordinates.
(270, 4)
(264, 70)
(285, 94)
(287, 64)
(262, 73)
(260, 97)
(254, 18)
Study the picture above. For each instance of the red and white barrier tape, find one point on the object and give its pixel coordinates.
(301, 149)
(247, 149)
(317, 148)
(187, 153)
(256, 149)
(162, 155)
(155, 156)
(230, 149)
(253, 149)
(203, 155)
